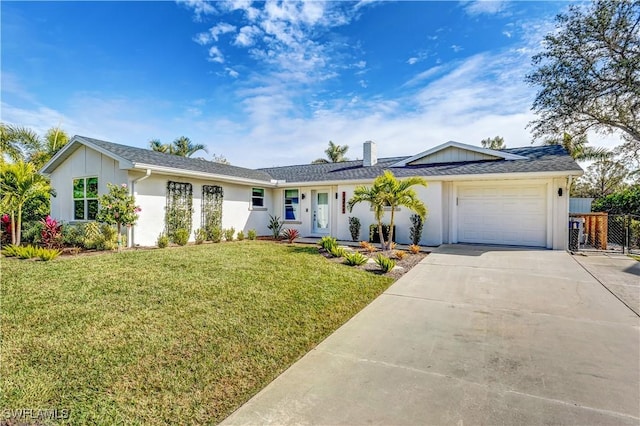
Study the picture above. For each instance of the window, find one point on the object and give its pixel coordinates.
(257, 197)
(85, 198)
(291, 204)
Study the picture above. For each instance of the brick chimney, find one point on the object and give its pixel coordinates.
(370, 154)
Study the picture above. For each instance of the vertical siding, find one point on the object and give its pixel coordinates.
(452, 155)
(84, 162)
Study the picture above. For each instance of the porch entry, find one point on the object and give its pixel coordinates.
(320, 212)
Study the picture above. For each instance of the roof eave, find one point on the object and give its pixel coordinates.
(202, 175)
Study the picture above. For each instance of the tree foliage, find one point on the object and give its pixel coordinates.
(602, 178)
(118, 207)
(19, 184)
(389, 192)
(577, 147)
(181, 146)
(16, 141)
(493, 143)
(335, 154)
(624, 201)
(589, 72)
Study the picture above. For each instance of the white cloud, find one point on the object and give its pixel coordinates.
(202, 38)
(215, 55)
(199, 7)
(221, 28)
(413, 60)
(247, 35)
(233, 73)
(486, 7)
(456, 48)
(507, 34)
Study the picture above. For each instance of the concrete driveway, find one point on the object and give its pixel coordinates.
(472, 335)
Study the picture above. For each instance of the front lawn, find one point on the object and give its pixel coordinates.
(173, 336)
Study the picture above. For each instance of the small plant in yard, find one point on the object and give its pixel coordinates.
(100, 237)
(51, 233)
(290, 234)
(385, 263)
(399, 254)
(252, 234)
(355, 259)
(275, 224)
(46, 254)
(414, 248)
(215, 235)
(27, 252)
(337, 251)
(118, 208)
(181, 237)
(73, 235)
(354, 228)
(229, 233)
(163, 241)
(368, 246)
(328, 242)
(200, 235)
(10, 250)
(240, 235)
(415, 231)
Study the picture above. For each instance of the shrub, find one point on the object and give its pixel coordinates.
(181, 237)
(51, 233)
(368, 246)
(215, 235)
(373, 233)
(240, 236)
(416, 228)
(199, 235)
(399, 254)
(337, 251)
(252, 234)
(47, 254)
(27, 252)
(290, 234)
(354, 228)
(31, 232)
(275, 224)
(163, 240)
(229, 233)
(414, 248)
(328, 242)
(355, 259)
(100, 237)
(10, 250)
(385, 263)
(73, 235)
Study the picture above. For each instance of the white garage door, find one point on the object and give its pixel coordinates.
(498, 214)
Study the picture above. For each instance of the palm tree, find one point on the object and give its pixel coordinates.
(577, 147)
(335, 154)
(19, 183)
(388, 191)
(54, 140)
(182, 146)
(16, 140)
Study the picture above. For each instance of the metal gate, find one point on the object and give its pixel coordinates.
(605, 232)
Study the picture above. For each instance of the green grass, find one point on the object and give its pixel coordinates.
(174, 336)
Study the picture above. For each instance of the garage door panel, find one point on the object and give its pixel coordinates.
(494, 214)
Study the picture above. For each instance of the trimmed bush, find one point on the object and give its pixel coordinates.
(199, 235)
(240, 236)
(163, 241)
(229, 233)
(354, 228)
(416, 228)
(181, 237)
(252, 234)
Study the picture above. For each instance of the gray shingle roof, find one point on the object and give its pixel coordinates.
(539, 159)
(153, 158)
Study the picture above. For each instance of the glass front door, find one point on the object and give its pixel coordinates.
(321, 213)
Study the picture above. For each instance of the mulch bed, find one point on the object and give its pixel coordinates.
(402, 266)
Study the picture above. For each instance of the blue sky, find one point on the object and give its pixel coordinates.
(271, 83)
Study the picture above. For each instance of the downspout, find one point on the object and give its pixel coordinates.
(566, 225)
(131, 238)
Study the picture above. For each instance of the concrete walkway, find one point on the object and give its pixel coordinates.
(620, 274)
(472, 335)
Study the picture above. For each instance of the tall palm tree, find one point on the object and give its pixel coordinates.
(335, 154)
(19, 183)
(577, 147)
(16, 140)
(54, 140)
(390, 192)
(183, 147)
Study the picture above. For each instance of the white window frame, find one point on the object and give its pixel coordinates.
(254, 197)
(294, 207)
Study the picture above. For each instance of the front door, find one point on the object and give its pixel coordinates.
(321, 212)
